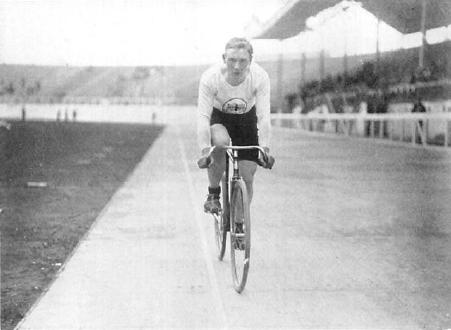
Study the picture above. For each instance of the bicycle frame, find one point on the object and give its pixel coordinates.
(232, 162)
(232, 158)
(233, 186)
(232, 153)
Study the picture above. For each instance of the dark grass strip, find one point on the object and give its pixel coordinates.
(83, 164)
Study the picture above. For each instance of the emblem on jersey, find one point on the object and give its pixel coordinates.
(235, 106)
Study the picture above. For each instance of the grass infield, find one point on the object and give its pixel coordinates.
(82, 165)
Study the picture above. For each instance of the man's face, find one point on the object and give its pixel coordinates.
(237, 61)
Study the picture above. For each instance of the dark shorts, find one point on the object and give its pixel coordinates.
(242, 129)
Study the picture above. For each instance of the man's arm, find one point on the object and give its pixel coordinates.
(204, 110)
(263, 106)
(263, 111)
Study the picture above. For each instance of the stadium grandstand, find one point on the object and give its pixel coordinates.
(400, 75)
(366, 94)
(397, 77)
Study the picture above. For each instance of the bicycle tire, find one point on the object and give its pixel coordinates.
(240, 255)
(221, 221)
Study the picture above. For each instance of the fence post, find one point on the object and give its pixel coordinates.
(403, 129)
(446, 132)
(414, 131)
(390, 129)
(424, 132)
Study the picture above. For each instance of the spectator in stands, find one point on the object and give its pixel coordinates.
(426, 74)
(422, 74)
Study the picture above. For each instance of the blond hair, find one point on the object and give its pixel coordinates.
(240, 43)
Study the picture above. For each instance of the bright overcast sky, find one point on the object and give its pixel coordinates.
(128, 32)
(170, 32)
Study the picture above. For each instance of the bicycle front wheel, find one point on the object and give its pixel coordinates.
(221, 221)
(240, 234)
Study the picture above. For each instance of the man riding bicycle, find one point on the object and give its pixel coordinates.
(233, 106)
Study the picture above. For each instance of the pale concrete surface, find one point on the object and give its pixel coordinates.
(346, 234)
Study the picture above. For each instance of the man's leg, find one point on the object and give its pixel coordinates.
(219, 137)
(247, 171)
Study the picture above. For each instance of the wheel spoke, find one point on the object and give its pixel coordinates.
(220, 222)
(240, 235)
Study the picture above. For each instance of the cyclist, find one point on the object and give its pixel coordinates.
(233, 104)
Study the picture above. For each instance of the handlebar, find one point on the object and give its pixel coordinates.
(266, 161)
(262, 150)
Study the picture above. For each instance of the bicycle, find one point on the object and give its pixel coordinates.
(235, 214)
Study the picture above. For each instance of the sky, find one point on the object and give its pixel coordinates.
(127, 32)
(173, 32)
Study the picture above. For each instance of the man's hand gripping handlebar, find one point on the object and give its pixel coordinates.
(265, 160)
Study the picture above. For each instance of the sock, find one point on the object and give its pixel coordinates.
(215, 191)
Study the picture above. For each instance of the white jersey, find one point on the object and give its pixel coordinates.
(216, 92)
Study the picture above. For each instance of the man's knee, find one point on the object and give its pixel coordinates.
(247, 170)
(219, 135)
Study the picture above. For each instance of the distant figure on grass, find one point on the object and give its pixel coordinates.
(5, 124)
(297, 110)
(233, 105)
(361, 122)
(74, 115)
(382, 107)
(418, 107)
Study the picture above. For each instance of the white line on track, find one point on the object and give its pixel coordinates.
(203, 240)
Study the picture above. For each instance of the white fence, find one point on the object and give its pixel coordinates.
(422, 128)
(93, 100)
(84, 112)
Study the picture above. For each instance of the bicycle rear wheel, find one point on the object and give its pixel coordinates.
(240, 234)
(221, 221)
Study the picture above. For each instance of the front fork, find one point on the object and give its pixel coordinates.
(232, 164)
(231, 158)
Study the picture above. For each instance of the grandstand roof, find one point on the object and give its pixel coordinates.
(403, 15)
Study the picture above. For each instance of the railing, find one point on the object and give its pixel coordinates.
(417, 128)
(116, 100)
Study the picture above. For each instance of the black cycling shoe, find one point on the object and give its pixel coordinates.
(212, 204)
